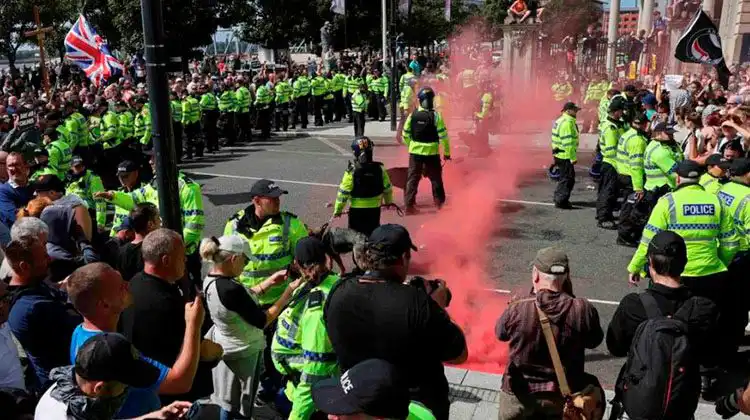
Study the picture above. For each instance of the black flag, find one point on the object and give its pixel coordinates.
(701, 44)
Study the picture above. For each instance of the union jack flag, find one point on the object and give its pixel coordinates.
(90, 52)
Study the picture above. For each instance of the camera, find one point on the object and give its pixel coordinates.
(429, 286)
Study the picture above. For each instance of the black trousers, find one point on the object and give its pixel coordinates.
(737, 302)
(301, 114)
(359, 124)
(429, 166)
(210, 119)
(281, 116)
(318, 109)
(626, 186)
(364, 220)
(328, 110)
(372, 106)
(339, 107)
(609, 189)
(479, 144)
(264, 122)
(226, 122)
(566, 182)
(177, 129)
(381, 106)
(348, 103)
(718, 288)
(194, 143)
(243, 126)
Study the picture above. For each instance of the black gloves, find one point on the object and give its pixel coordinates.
(728, 406)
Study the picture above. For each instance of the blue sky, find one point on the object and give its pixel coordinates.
(624, 4)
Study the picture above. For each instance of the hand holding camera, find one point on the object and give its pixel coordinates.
(436, 288)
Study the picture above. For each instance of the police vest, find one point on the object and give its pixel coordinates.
(423, 128)
(368, 180)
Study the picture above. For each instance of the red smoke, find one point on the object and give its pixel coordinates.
(457, 241)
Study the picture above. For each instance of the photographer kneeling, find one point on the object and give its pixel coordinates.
(376, 316)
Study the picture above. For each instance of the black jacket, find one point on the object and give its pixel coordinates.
(701, 317)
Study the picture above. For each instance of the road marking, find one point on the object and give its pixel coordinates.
(334, 146)
(322, 184)
(255, 178)
(298, 152)
(602, 302)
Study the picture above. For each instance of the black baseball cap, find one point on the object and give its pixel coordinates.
(266, 188)
(310, 250)
(570, 106)
(740, 166)
(630, 88)
(391, 238)
(669, 244)
(718, 160)
(127, 166)
(41, 151)
(690, 169)
(372, 387)
(617, 104)
(662, 127)
(110, 357)
(49, 182)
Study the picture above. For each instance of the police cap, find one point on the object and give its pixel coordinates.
(690, 169)
(740, 166)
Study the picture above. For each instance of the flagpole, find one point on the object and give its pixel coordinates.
(385, 42)
(161, 129)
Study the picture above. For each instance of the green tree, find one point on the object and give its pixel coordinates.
(277, 23)
(566, 17)
(495, 12)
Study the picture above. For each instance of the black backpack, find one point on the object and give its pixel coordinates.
(661, 377)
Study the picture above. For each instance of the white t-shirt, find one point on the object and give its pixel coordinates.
(49, 408)
(11, 373)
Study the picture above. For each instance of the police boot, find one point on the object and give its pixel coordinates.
(199, 146)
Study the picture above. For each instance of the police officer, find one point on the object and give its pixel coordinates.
(142, 125)
(610, 132)
(328, 100)
(209, 118)
(85, 184)
(482, 121)
(91, 154)
(318, 89)
(338, 82)
(227, 115)
(367, 185)
(273, 235)
(176, 107)
(283, 91)
(709, 232)
(60, 152)
(301, 98)
(660, 162)
(353, 82)
(242, 101)
(406, 106)
(191, 124)
(111, 148)
(191, 203)
(735, 199)
(127, 124)
(263, 101)
(716, 173)
(301, 349)
(75, 122)
(423, 133)
(562, 89)
(565, 153)
(630, 150)
(360, 103)
(128, 174)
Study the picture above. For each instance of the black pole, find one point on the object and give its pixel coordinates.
(161, 117)
(394, 68)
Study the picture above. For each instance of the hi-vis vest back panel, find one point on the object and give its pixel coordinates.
(735, 199)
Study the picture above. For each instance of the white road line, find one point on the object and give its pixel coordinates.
(334, 146)
(300, 152)
(602, 302)
(255, 178)
(321, 184)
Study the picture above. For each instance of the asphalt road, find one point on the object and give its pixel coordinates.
(520, 223)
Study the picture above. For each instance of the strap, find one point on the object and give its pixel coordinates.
(554, 355)
(650, 305)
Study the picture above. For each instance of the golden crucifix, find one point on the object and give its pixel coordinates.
(39, 33)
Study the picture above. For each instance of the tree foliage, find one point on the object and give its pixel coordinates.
(567, 17)
(495, 12)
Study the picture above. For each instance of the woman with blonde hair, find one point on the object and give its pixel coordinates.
(238, 322)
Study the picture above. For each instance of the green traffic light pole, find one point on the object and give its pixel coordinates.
(161, 119)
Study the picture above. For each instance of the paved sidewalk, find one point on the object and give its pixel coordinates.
(474, 396)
